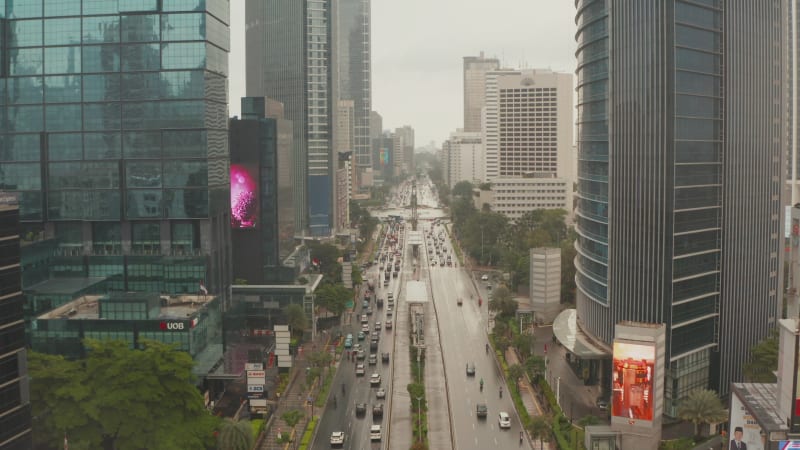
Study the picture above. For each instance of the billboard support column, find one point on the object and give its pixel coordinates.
(637, 384)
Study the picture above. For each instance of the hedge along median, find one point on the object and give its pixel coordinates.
(419, 408)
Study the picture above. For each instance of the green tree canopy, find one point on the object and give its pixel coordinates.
(296, 318)
(235, 435)
(328, 256)
(462, 189)
(763, 360)
(702, 406)
(503, 303)
(333, 297)
(119, 398)
(539, 428)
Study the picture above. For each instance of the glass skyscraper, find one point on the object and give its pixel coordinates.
(290, 53)
(681, 146)
(113, 133)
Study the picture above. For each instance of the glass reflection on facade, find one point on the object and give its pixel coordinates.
(669, 230)
(115, 112)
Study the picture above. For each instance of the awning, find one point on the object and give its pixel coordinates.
(566, 330)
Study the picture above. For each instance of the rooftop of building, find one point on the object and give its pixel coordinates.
(760, 399)
(87, 307)
(63, 286)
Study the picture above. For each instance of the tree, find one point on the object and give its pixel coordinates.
(106, 399)
(333, 297)
(328, 256)
(515, 372)
(540, 429)
(292, 418)
(763, 360)
(462, 189)
(296, 318)
(702, 407)
(235, 435)
(502, 303)
(524, 345)
(534, 366)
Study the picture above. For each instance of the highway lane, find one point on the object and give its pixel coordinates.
(358, 389)
(463, 335)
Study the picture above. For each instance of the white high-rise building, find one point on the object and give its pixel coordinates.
(528, 124)
(463, 158)
(475, 68)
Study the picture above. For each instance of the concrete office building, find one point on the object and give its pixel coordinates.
(354, 54)
(344, 187)
(375, 125)
(463, 158)
(514, 197)
(528, 123)
(404, 150)
(15, 410)
(475, 68)
(291, 57)
(670, 230)
(545, 283)
(115, 137)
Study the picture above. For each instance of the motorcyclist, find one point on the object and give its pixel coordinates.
(487, 347)
(501, 391)
(342, 388)
(481, 384)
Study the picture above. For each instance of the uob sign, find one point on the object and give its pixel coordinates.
(172, 326)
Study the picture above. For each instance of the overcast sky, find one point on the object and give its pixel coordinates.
(417, 50)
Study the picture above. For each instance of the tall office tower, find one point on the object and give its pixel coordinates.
(793, 118)
(528, 124)
(681, 140)
(404, 149)
(375, 125)
(354, 54)
(115, 137)
(475, 68)
(463, 158)
(15, 410)
(290, 51)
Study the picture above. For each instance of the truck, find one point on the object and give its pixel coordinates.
(371, 285)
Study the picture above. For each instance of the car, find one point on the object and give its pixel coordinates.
(365, 328)
(375, 433)
(373, 345)
(361, 409)
(602, 404)
(348, 343)
(380, 393)
(375, 335)
(378, 326)
(390, 296)
(489, 286)
(394, 274)
(485, 277)
(433, 262)
(375, 379)
(365, 304)
(364, 319)
(349, 336)
(361, 355)
(504, 420)
(481, 410)
(389, 325)
(359, 369)
(385, 283)
(471, 369)
(380, 303)
(337, 438)
(373, 359)
(368, 311)
(377, 411)
(385, 357)
(361, 336)
(459, 301)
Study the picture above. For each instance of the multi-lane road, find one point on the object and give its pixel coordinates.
(462, 333)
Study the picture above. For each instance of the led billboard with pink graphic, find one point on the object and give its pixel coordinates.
(244, 196)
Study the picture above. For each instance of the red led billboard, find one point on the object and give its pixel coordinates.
(244, 196)
(632, 381)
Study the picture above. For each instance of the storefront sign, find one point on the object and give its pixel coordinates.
(173, 326)
(255, 388)
(253, 366)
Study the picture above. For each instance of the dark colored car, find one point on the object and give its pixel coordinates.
(481, 410)
(385, 357)
(377, 411)
(361, 409)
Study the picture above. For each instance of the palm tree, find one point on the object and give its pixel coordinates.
(701, 407)
(235, 435)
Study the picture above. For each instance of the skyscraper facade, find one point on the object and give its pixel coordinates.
(114, 136)
(681, 168)
(475, 68)
(355, 74)
(15, 410)
(290, 51)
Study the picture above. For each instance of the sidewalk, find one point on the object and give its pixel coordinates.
(295, 397)
(529, 398)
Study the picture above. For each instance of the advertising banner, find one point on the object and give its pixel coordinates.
(255, 388)
(632, 381)
(254, 366)
(244, 196)
(743, 427)
(789, 445)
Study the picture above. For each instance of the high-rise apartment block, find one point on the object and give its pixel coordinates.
(463, 158)
(354, 54)
(15, 410)
(545, 283)
(681, 152)
(115, 137)
(475, 68)
(291, 57)
(404, 150)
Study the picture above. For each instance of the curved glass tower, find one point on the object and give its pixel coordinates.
(680, 134)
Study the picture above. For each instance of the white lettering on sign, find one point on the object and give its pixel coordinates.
(256, 374)
(174, 325)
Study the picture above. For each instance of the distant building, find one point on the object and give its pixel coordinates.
(383, 157)
(15, 409)
(375, 125)
(475, 68)
(404, 150)
(344, 187)
(463, 158)
(545, 283)
(514, 197)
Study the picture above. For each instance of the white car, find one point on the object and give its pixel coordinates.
(380, 393)
(485, 277)
(505, 421)
(375, 379)
(375, 433)
(337, 438)
(360, 369)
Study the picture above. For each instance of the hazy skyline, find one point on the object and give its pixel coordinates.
(417, 51)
